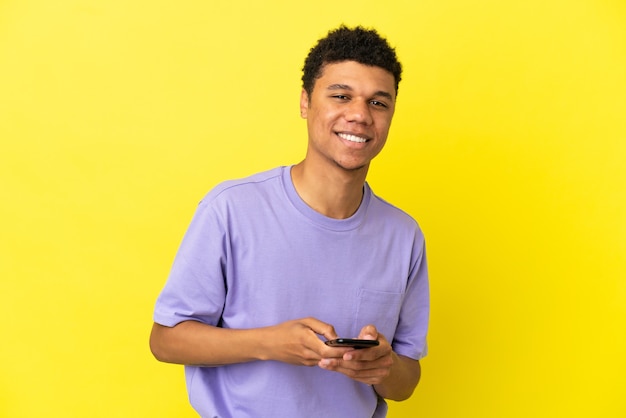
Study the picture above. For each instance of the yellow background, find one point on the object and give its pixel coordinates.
(508, 146)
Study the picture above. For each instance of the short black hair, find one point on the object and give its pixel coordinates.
(359, 44)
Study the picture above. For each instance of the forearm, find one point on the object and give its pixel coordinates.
(195, 343)
(403, 378)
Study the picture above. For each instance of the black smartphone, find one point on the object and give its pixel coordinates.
(352, 342)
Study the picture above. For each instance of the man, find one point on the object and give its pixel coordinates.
(274, 265)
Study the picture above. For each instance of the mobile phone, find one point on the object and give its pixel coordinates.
(352, 342)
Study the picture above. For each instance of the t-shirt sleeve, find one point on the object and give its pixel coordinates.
(410, 337)
(195, 288)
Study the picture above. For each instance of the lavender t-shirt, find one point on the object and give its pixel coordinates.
(256, 255)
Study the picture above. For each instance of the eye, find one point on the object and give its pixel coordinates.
(341, 96)
(378, 103)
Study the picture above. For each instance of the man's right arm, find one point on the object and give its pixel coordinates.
(194, 343)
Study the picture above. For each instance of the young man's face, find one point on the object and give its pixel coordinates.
(348, 114)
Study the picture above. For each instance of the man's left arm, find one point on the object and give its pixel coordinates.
(404, 375)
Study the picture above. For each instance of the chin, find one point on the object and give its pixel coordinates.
(351, 167)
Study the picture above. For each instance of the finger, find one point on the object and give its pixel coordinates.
(369, 332)
(321, 328)
(351, 362)
(370, 354)
(361, 373)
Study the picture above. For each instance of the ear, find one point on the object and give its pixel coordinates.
(304, 104)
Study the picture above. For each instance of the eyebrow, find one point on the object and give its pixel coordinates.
(379, 93)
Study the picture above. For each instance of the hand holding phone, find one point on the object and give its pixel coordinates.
(352, 342)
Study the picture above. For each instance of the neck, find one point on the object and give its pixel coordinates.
(333, 193)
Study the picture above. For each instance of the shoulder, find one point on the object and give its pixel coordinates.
(393, 222)
(237, 199)
(244, 187)
(392, 213)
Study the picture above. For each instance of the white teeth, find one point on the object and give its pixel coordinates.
(353, 138)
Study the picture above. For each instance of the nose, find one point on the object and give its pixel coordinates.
(358, 111)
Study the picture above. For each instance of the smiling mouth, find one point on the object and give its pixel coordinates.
(352, 138)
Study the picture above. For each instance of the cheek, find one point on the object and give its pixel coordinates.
(325, 120)
(383, 127)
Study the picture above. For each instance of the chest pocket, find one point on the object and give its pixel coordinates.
(381, 309)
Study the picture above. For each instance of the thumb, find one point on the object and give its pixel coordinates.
(369, 332)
